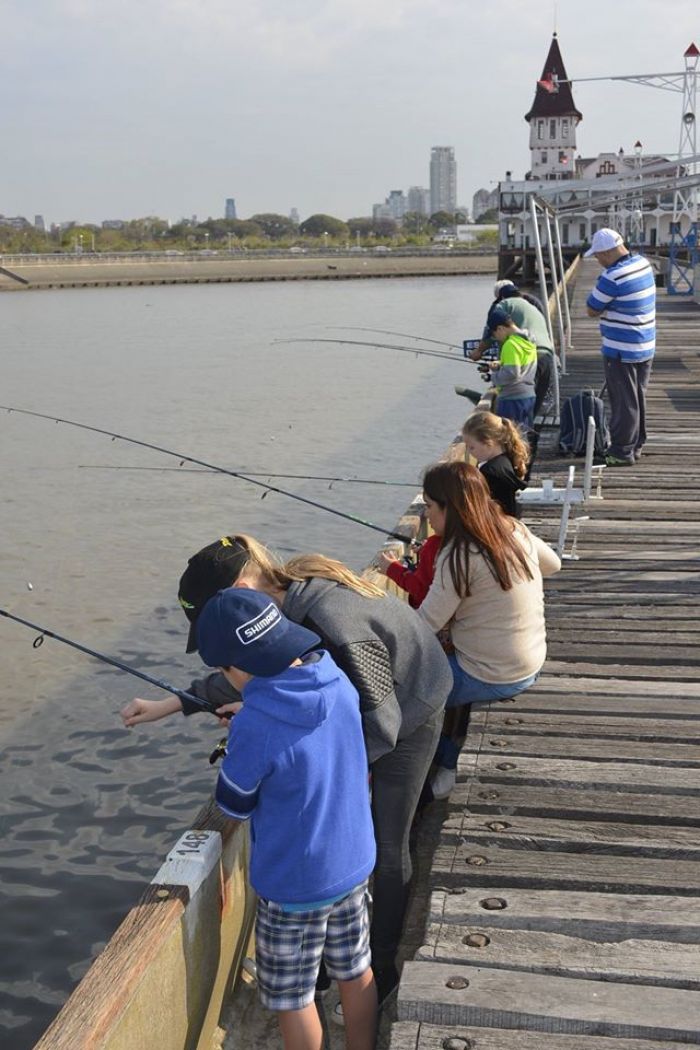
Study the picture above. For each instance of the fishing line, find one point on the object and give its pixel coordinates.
(387, 331)
(253, 474)
(380, 346)
(212, 466)
(44, 632)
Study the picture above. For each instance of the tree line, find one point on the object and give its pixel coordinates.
(262, 230)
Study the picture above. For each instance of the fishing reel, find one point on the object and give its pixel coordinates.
(219, 751)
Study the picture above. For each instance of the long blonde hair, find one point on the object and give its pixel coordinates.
(491, 429)
(303, 567)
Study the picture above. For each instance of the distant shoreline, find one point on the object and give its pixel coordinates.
(90, 273)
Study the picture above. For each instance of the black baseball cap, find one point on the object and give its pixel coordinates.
(207, 572)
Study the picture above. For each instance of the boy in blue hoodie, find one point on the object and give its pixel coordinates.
(296, 766)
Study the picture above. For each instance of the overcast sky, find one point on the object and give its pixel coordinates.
(125, 108)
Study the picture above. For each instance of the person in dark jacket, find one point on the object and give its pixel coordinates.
(394, 661)
(502, 455)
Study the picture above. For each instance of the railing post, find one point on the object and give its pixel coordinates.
(555, 287)
(588, 466)
(565, 295)
(540, 263)
(545, 298)
(565, 513)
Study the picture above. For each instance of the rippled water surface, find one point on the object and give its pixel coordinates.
(102, 530)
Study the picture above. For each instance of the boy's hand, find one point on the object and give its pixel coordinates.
(228, 711)
(139, 710)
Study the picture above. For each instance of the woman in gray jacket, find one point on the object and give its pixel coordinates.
(394, 661)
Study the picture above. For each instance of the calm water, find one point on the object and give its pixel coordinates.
(88, 809)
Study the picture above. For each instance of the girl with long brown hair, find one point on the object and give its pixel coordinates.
(488, 589)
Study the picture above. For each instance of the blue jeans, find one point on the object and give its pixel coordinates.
(519, 409)
(469, 690)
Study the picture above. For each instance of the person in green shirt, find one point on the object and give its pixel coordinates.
(513, 374)
(520, 306)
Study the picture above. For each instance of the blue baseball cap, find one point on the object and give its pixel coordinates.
(498, 317)
(243, 628)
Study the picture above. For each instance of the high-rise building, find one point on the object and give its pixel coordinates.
(443, 179)
(381, 211)
(484, 200)
(39, 223)
(394, 207)
(294, 216)
(419, 199)
(230, 212)
(397, 204)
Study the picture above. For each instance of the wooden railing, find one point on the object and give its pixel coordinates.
(163, 977)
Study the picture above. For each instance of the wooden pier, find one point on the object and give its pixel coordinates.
(556, 903)
(564, 905)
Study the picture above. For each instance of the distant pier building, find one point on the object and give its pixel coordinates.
(553, 119)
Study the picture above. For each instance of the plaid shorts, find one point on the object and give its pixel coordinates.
(289, 947)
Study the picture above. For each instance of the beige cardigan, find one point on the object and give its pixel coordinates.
(499, 636)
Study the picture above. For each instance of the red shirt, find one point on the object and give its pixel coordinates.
(417, 581)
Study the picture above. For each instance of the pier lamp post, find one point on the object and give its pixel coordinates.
(325, 240)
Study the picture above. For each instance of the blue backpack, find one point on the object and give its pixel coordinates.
(573, 421)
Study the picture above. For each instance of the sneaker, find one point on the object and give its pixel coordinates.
(615, 461)
(637, 455)
(442, 783)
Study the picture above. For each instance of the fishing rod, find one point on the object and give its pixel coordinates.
(212, 466)
(44, 632)
(380, 346)
(252, 474)
(402, 335)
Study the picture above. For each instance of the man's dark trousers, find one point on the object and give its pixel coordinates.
(627, 383)
(543, 377)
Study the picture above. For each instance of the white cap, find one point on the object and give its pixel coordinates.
(603, 241)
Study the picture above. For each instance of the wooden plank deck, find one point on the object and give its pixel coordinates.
(565, 903)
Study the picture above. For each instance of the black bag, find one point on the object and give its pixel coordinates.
(573, 421)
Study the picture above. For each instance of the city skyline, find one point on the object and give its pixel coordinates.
(169, 108)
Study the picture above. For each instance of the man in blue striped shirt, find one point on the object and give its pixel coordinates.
(624, 299)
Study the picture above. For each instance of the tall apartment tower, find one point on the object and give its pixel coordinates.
(230, 212)
(443, 179)
(418, 199)
(553, 118)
